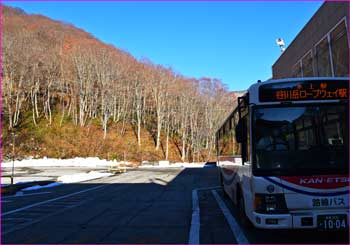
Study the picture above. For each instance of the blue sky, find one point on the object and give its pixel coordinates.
(231, 41)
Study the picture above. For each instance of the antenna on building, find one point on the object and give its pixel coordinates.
(280, 43)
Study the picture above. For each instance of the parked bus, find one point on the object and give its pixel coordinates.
(283, 154)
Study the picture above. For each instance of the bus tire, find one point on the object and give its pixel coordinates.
(246, 223)
(226, 196)
(221, 180)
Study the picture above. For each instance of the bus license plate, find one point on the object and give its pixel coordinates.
(332, 222)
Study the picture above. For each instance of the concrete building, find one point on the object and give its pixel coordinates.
(321, 48)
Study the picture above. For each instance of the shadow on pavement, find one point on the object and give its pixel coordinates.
(155, 212)
(132, 211)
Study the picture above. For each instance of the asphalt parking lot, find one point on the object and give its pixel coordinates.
(140, 206)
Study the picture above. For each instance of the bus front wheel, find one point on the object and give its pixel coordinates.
(223, 186)
(242, 214)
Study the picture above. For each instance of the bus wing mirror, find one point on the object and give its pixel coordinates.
(239, 132)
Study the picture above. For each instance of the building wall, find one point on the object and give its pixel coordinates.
(317, 45)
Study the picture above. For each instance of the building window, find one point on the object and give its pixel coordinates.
(340, 50)
(307, 66)
(296, 72)
(323, 59)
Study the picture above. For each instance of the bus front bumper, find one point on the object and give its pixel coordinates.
(299, 220)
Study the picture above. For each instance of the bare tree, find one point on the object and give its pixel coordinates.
(103, 67)
(68, 71)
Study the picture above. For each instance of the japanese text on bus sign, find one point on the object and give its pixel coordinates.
(305, 91)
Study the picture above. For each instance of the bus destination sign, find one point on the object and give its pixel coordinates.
(305, 90)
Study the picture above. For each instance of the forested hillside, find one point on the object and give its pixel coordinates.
(66, 94)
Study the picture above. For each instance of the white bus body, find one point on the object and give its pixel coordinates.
(290, 168)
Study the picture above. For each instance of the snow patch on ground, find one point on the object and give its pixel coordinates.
(38, 187)
(95, 162)
(177, 165)
(90, 162)
(74, 178)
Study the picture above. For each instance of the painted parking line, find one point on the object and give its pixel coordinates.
(208, 188)
(15, 219)
(33, 220)
(21, 194)
(235, 228)
(4, 201)
(195, 222)
(52, 200)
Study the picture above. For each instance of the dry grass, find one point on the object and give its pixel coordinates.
(74, 141)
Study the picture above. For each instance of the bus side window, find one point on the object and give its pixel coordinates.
(245, 139)
(248, 138)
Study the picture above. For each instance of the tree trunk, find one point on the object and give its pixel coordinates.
(167, 146)
(159, 128)
(183, 156)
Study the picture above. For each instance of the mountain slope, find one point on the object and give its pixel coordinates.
(66, 94)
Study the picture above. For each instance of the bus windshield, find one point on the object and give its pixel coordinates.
(310, 139)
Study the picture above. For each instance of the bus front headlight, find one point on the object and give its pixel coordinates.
(270, 203)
